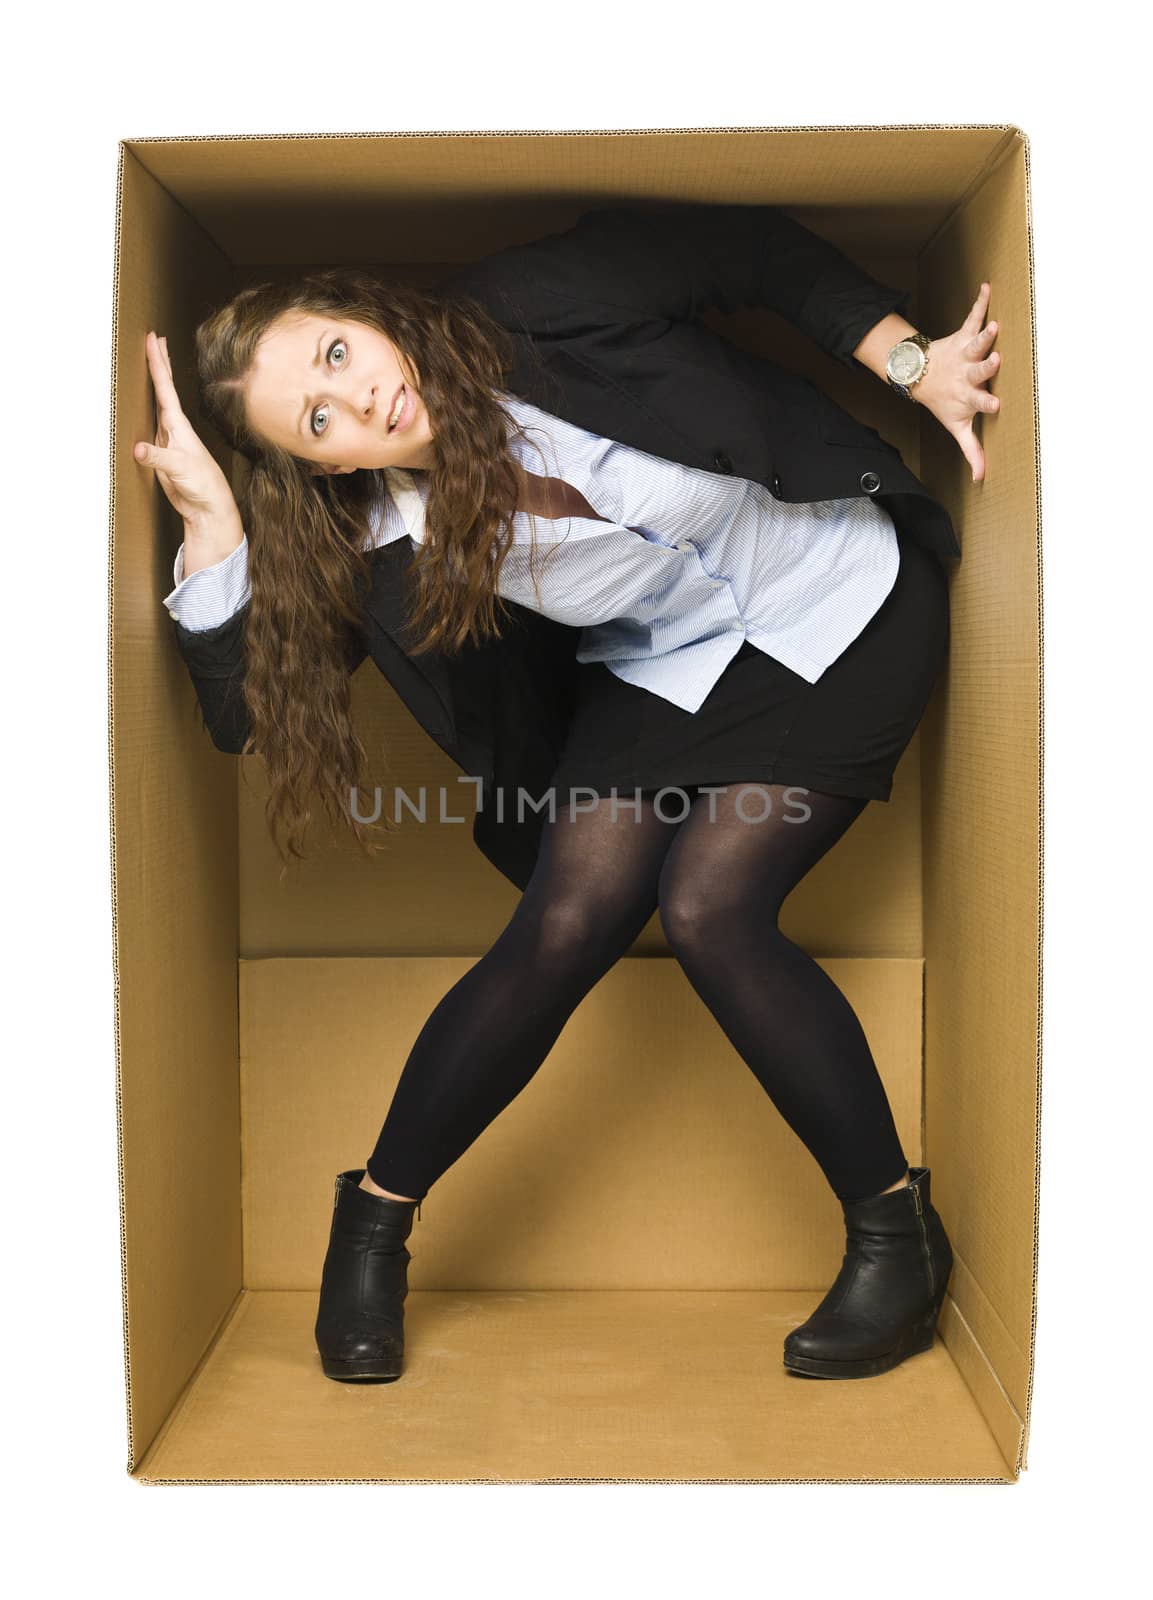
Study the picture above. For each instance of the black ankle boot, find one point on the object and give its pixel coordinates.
(884, 1302)
(360, 1322)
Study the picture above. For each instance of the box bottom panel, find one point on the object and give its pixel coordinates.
(562, 1386)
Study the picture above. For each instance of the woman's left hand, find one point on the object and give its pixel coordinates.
(953, 387)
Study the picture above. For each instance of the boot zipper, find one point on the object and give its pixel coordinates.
(920, 1210)
(418, 1210)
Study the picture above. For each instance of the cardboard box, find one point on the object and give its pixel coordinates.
(570, 1318)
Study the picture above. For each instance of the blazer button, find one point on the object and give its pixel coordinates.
(721, 461)
(776, 485)
(870, 482)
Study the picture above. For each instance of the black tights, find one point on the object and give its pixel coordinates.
(718, 885)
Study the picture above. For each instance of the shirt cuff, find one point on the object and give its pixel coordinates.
(211, 595)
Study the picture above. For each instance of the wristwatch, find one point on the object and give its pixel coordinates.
(907, 363)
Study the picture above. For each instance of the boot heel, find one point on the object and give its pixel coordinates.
(924, 1332)
(379, 1371)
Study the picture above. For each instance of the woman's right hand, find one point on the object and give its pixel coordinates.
(186, 469)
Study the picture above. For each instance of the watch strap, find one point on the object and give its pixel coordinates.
(922, 341)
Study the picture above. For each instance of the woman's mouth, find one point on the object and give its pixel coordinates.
(401, 414)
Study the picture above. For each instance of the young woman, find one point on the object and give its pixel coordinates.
(710, 579)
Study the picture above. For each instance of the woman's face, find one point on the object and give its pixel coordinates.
(324, 389)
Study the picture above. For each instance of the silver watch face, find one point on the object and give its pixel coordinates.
(906, 362)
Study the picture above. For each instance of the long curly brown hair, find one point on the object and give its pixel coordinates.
(307, 534)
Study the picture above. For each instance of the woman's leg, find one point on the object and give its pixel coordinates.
(720, 893)
(593, 889)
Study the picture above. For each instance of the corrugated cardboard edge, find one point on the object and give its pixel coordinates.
(1022, 1461)
(111, 692)
(584, 133)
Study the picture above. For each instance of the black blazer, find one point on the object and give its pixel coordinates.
(603, 318)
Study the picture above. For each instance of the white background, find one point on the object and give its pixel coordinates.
(79, 81)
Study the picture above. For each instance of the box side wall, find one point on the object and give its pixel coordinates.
(982, 821)
(173, 863)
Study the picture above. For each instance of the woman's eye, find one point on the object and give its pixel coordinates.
(337, 357)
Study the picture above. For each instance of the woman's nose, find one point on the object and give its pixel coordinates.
(369, 405)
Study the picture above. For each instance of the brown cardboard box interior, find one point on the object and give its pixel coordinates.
(573, 1314)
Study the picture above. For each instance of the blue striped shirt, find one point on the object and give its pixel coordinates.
(688, 565)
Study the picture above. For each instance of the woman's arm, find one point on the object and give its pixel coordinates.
(960, 366)
(215, 661)
(215, 552)
(675, 261)
(205, 596)
(198, 490)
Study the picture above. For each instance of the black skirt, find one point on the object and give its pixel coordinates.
(842, 735)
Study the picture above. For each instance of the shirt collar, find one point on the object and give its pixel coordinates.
(407, 498)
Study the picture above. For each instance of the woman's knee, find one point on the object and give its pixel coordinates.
(575, 928)
(693, 915)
